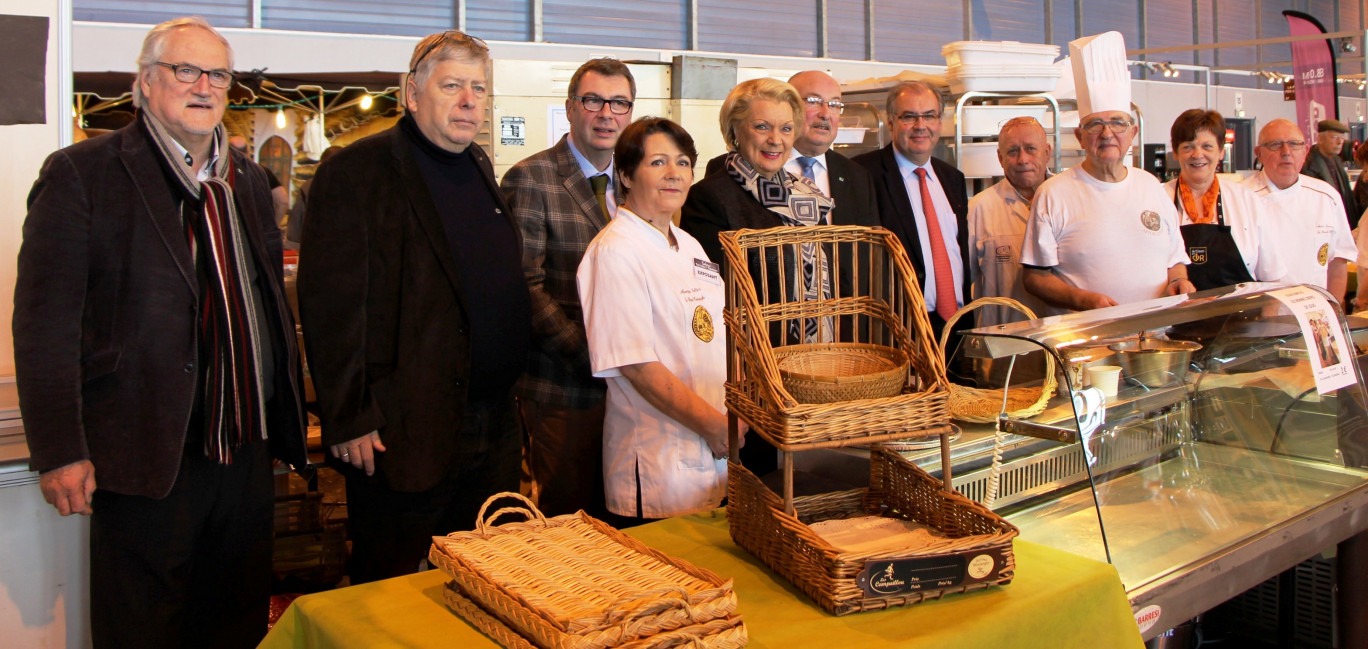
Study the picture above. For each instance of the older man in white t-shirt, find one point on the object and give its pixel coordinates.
(1102, 234)
(1305, 216)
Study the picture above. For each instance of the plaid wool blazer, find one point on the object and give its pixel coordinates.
(555, 207)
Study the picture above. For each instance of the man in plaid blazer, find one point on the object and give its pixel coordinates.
(561, 198)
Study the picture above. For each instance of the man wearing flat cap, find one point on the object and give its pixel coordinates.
(1324, 163)
(1101, 234)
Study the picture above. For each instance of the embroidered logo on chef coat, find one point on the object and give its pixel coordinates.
(1003, 254)
(1323, 255)
(1150, 220)
(702, 324)
(1198, 254)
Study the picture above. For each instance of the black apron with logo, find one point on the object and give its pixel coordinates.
(1216, 260)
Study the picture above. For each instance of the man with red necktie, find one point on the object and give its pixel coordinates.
(923, 200)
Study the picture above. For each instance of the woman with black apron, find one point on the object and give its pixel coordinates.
(1220, 222)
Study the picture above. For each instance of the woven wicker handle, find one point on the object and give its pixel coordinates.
(531, 512)
(651, 602)
(981, 302)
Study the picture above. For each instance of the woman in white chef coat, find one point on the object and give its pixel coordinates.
(1223, 224)
(653, 313)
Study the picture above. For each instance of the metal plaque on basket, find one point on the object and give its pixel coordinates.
(883, 578)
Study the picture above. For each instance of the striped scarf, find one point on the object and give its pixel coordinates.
(234, 408)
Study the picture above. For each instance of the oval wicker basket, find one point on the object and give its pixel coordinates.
(982, 405)
(831, 372)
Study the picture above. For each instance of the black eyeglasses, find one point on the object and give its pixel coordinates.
(595, 104)
(186, 73)
(456, 35)
(834, 104)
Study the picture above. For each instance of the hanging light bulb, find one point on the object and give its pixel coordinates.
(366, 101)
(280, 117)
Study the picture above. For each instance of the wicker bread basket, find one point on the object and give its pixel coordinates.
(898, 488)
(874, 300)
(573, 582)
(982, 405)
(829, 372)
(722, 633)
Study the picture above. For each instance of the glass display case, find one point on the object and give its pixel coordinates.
(1225, 450)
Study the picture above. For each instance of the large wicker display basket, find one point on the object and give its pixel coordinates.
(873, 300)
(976, 552)
(574, 582)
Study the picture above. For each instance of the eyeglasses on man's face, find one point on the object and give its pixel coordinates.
(594, 104)
(1117, 125)
(912, 118)
(1278, 145)
(186, 73)
(834, 104)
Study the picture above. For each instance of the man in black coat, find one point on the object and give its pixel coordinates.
(155, 385)
(836, 175)
(1324, 162)
(912, 187)
(416, 316)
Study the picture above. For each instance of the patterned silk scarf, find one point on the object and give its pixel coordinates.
(798, 202)
(229, 338)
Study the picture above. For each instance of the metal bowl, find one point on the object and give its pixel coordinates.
(1154, 363)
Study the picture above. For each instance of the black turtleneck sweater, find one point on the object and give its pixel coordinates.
(488, 260)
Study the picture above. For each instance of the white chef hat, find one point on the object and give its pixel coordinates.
(1101, 77)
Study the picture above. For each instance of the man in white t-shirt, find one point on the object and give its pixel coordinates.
(997, 221)
(1305, 218)
(1102, 234)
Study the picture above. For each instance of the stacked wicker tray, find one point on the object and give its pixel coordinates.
(574, 582)
(873, 300)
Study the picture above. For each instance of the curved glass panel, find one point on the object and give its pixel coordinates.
(1237, 413)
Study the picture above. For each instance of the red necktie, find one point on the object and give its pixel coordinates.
(940, 261)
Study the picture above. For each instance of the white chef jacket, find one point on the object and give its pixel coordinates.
(997, 222)
(1118, 239)
(1307, 220)
(1247, 215)
(645, 302)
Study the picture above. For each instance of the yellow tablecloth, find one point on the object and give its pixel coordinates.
(1057, 600)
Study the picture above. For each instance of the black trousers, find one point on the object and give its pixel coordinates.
(192, 569)
(392, 531)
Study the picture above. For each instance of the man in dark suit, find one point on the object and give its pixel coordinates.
(836, 175)
(562, 197)
(1324, 162)
(154, 384)
(416, 315)
(919, 194)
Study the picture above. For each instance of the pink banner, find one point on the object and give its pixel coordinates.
(1313, 68)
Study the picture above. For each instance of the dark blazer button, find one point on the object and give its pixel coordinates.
(189, 367)
(459, 383)
(462, 331)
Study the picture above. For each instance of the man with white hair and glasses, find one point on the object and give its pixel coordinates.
(416, 315)
(155, 356)
(1101, 233)
(1305, 216)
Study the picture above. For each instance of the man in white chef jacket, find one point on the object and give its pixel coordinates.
(997, 220)
(1306, 218)
(1102, 234)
